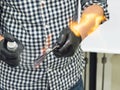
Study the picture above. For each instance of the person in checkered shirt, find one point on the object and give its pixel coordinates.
(34, 26)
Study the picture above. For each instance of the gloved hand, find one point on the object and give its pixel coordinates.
(12, 58)
(68, 43)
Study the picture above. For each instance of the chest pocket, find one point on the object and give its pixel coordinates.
(26, 10)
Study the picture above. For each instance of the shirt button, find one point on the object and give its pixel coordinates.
(47, 26)
(42, 3)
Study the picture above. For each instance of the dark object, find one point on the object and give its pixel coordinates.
(104, 60)
(12, 58)
(93, 71)
(68, 43)
(41, 58)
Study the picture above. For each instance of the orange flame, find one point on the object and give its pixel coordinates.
(86, 21)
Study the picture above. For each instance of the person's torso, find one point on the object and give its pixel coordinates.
(32, 22)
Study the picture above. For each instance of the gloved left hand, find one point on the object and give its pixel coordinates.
(68, 43)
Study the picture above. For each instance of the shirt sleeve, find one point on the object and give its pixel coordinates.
(102, 3)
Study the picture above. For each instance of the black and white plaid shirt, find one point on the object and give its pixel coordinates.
(31, 22)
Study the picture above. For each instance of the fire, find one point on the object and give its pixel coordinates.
(86, 20)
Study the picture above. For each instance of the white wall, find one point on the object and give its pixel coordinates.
(115, 60)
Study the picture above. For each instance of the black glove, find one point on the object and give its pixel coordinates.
(12, 58)
(68, 43)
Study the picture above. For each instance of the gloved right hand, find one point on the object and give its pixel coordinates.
(68, 43)
(12, 58)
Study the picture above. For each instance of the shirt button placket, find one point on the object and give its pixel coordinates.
(44, 25)
(42, 5)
